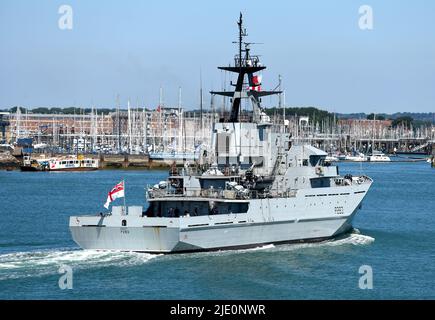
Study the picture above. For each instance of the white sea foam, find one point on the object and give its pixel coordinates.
(40, 263)
(266, 247)
(354, 239)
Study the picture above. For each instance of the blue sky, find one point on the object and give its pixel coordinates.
(131, 48)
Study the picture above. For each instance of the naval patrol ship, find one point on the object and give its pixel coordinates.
(254, 187)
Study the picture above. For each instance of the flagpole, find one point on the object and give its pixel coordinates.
(125, 207)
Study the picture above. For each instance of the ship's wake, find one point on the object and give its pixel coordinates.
(40, 263)
(47, 262)
(353, 238)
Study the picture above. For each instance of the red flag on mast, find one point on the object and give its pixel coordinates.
(115, 193)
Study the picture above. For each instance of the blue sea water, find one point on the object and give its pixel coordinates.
(395, 236)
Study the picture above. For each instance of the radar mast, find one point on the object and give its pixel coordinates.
(248, 65)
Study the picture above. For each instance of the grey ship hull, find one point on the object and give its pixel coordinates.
(311, 215)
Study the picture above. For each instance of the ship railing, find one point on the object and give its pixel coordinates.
(350, 180)
(364, 179)
(189, 171)
(198, 171)
(252, 61)
(153, 193)
(282, 194)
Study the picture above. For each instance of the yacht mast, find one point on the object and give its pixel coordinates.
(180, 124)
(373, 141)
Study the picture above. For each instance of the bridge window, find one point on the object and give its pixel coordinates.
(321, 183)
(315, 160)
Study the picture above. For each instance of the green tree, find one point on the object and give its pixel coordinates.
(372, 116)
(41, 110)
(14, 109)
(406, 121)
